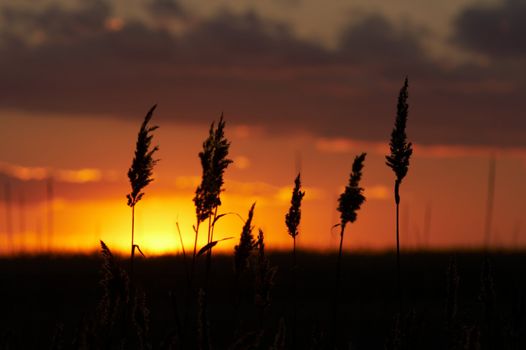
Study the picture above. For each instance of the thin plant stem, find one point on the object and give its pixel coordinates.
(294, 291)
(398, 281)
(337, 288)
(184, 251)
(338, 270)
(192, 271)
(211, 226)
(132, 254)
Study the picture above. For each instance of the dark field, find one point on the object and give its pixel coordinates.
(51, 298)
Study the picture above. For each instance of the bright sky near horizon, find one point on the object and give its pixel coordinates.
(302, 85)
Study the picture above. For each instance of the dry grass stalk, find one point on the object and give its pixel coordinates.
(214, 162)
(115, 288)
(246, 244)
(293, 217)
(349, 203)
(264, 278)
(122, 315)
(140, 173)
(292, 220)
(398, 161)
(207, 199)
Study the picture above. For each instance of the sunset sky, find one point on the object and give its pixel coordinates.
(303, 84)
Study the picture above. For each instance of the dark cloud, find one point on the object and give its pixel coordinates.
(258, 72)
(246, 41)
(376, 40)
(497, 30)
(54, 24)
(168, 8)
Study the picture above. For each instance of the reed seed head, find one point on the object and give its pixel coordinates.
(401, 150)
(352, 198)
(214, 162)
(141, 170)
(293, 217)
(115, 285)
(246, 244)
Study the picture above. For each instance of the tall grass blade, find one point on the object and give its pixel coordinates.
(292, 220)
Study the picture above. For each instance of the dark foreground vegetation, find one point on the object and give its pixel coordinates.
(450, 301)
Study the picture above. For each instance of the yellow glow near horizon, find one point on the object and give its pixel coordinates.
(80, 225)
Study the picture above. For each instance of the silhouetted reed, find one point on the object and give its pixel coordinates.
(242, 253)
(349, 203)
(246, 244)
(140, 173)
(115, 289)
(293, 217)
(292, 220)
(122, 318)
(263, 279)
(398, 161)
(207, 199)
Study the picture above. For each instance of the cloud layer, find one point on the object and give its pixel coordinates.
(85, 60)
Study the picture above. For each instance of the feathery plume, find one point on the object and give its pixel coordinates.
(293, 217)
(207, 199)
(401, 150)
(264, 276)
(292, 220)
(349, 203)
(214, 161)
(352, 198)
(246, 244)
(140, 172)
(115, 297)
(398, 160)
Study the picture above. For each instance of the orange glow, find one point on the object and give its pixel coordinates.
(89, 187)
(80, 225)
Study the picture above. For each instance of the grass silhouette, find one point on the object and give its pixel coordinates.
(349, 203)
(292, 221)
(398, 161)
(207, 199)
(140, 174)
